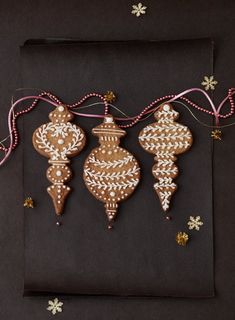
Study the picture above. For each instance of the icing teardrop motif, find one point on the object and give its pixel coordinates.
(165, 138)
(111, 173)
(59, 140)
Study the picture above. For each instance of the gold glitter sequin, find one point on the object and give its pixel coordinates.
(110, 97)
(182, 238)
(28, 203)
(216, 134)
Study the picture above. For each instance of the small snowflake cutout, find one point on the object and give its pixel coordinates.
(209, 83)
(55, 306)
(195, 223)
(138, 9)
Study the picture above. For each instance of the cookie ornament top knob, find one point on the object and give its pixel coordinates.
(165, 138)
(59, 140)
(111, 173)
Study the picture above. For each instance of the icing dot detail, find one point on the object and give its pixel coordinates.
(60, 108)
(61, 141)
(58, 173)
(166, 107)
(108, 119)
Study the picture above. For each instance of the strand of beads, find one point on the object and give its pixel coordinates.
(52, 99)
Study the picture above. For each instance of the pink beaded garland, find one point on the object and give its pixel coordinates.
(134, 120)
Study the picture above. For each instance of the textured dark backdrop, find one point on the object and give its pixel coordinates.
(140, 257)
(111, 20)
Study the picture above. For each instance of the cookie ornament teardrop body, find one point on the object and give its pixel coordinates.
(59, 140)
(111, 173)
(165, 138)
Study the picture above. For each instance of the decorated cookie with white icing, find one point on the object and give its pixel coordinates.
(111, 173)
(165, 138)
(59, 140)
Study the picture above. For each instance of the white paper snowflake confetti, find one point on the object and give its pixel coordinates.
(209, 83)
(138, 9)
(55, 306)
(195, 223)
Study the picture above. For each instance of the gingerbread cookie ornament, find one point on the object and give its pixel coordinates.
(165, 138)
(111, 173)
(59, 140)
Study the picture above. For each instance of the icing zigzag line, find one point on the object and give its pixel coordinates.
(110, 164)
(111, 175)
(112, 185)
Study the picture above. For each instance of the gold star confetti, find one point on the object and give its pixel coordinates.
(138, 9)
(209, 83)
(110, 97)
(28, 203)
(182, 238)
(216, 134)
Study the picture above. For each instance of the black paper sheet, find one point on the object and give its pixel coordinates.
(139, 256)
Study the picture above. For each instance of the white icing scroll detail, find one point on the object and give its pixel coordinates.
(59, 130)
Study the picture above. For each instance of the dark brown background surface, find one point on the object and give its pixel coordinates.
(140, 257)
(111, 20)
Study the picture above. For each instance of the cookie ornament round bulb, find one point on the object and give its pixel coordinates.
(111, 173)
